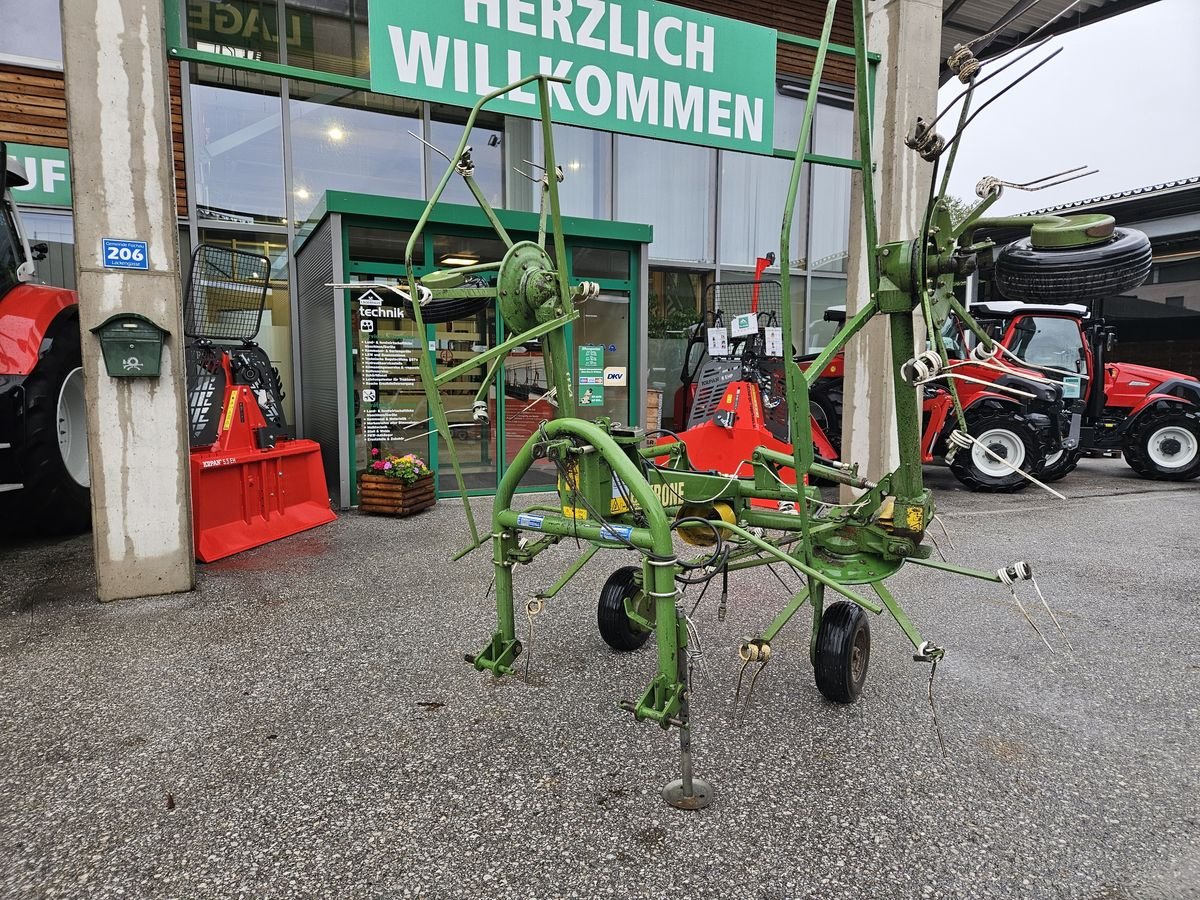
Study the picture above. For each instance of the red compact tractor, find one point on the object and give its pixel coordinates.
(43, 433)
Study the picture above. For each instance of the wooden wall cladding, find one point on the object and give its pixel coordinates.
(33, 107)
(33, 110)
(799, 17)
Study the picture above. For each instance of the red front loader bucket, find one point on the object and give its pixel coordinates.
(243, 496)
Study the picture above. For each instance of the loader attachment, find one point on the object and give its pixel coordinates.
(252, 482)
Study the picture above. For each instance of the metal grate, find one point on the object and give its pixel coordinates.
(225, 293)
(727, 299)
(712, 379)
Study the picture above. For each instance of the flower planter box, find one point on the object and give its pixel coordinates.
(385, 496)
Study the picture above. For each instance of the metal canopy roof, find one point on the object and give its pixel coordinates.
(1012, 20)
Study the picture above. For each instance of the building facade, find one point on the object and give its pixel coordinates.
(272, 108)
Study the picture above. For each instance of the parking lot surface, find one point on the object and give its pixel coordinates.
(303, 724)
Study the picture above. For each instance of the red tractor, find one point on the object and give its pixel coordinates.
(1015, 414)
(43, 433)
(1152, 416)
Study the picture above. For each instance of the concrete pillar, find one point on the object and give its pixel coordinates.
(121, 178)
(907, 34)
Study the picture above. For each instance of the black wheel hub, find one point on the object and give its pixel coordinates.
(1170, 446)
(999, 449)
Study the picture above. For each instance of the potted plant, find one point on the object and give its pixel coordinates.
(395, 485)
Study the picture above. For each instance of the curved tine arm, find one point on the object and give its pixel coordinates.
(462, 146)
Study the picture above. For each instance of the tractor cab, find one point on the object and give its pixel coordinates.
(17, 256)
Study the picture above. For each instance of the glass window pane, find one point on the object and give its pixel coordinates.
(275, 330)
(352, 141)
(671, 187)
(486, 143)
(596, 262)
(57, 232)
(586, 160)
(32, 36)
(382, 245)
(329, 36)
(237, 164)
(825, 292)
(674, 306)
(789, 116)
(604, 323)
(753, 193)
(247, 29)
(452, 250)
(834, 129)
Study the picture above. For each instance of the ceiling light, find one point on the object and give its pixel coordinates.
(303, 193)
(459, 260)
(335, 133)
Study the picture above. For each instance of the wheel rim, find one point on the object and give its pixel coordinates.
(72, 428)
(1005, 444)
(1173, 447)
(1053, 458)
(858, 657)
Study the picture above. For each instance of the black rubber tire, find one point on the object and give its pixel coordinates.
(843, 652)
(438, 311)
(1054, 469)
(52, 503)
(1138, 440)
(1077, 275)
(826, 403)
(615, 627)
(980, 422)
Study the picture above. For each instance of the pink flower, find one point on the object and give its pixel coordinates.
(374, 451)
(377, 465)
(387, 465)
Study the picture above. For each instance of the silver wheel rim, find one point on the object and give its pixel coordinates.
(1163, 444)
(1005, 444)
(72, 428)
(1053, 458)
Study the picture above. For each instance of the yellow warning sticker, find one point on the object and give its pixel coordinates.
(229, 416)
(574, 512)
(915, 518)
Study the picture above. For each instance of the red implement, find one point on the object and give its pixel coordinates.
(244, 496)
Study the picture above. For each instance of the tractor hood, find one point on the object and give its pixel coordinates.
(1131, 372)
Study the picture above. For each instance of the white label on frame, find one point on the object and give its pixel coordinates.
(718, 342)
(774, 338)
(744, 325)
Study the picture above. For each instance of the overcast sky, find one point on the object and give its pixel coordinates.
(1122, 97)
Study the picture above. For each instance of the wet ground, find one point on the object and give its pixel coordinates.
(303, 725)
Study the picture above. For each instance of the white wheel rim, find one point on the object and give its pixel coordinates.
(1053, 458)
(1173, 447)
(72, 428)
(1006, 445)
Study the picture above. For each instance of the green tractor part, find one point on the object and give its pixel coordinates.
(616, 493)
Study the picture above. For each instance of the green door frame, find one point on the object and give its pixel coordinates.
(401, 214)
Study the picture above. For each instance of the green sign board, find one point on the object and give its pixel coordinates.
(590, 376)
(635, 67)
(49, 172)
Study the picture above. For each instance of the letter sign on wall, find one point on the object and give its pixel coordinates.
(635, 67)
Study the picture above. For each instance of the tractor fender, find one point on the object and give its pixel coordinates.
(28, 313)
(1181, 389)
(1157, 400)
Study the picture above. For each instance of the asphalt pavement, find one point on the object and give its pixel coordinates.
(303, 724)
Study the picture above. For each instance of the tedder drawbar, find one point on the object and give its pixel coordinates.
(616, 492)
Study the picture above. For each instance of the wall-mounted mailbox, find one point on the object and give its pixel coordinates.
(132, 345)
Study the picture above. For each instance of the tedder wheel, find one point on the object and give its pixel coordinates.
(843, 652)
(1073, 275)
(1011, 437)
(1165, 445)
(54, 460)
(1060, 464)
(618, 631)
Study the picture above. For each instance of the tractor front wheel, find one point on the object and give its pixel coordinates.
(54, 457)
(843, 652)
(1165, 445)
(1007, 435)
(618, 630)
(1059, 465)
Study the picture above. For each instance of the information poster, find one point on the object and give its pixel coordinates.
(590, 376)
(387, 368)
